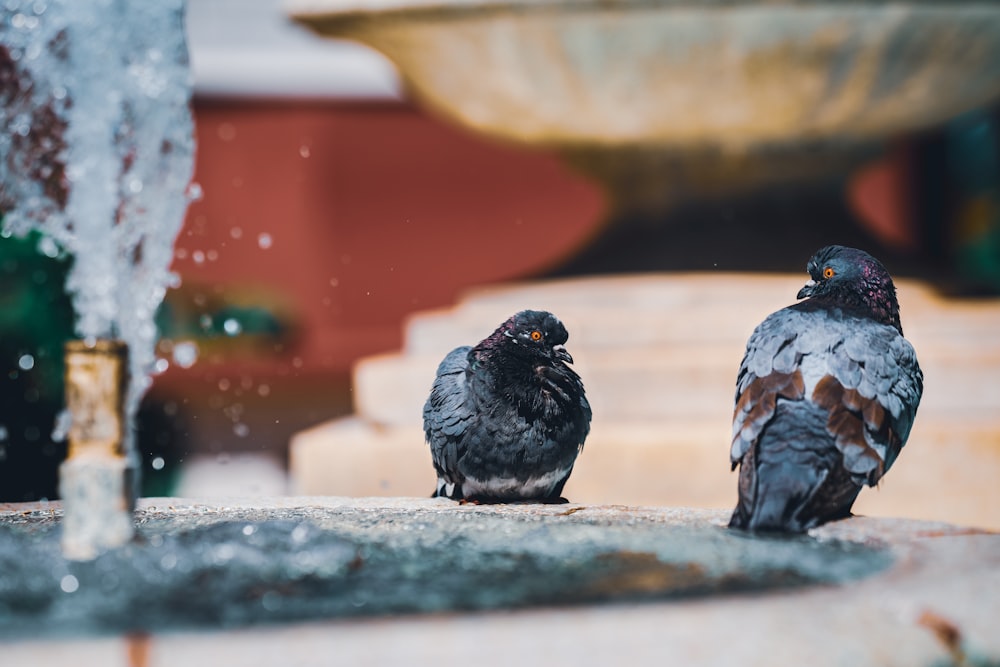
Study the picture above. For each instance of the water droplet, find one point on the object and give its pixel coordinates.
(241, 430)
(135, 185)
(48, 247)
(3, 433)
(157, 463)
(161, 365)
(299, 533)
(63, 422)
(232, 326)
(226, 131)
(224, 553)
(271, 601)
(169, 561)
(264, 241)
(194, 192)
(249, 530)
(224, 384)
(26, 362)
(185, 354)
(69, 584)
(236, 233)
(263, 390)
(198, 256)
(334, 282)
(304, 151)
(212, 255)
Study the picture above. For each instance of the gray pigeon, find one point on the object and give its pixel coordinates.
(825, 397)
(506, 419)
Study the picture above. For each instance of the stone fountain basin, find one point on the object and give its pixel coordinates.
(681, 74)
(226, 565)
(222, 565)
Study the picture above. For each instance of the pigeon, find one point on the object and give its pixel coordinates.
(506, 419)
(825, 397)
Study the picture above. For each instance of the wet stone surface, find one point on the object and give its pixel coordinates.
(223, 566)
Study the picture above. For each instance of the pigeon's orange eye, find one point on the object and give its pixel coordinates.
(536, 335)
(828, 272)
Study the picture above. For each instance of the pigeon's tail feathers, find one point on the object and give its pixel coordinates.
(785, 501)
(793, 479)
(446, 489)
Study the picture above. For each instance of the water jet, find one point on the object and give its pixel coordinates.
(96, 153)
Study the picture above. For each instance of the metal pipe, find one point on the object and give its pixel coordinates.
(96, 481)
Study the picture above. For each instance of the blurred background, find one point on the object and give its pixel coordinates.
(354, 227)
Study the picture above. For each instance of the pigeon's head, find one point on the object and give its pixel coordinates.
(852, 277)
(537, 333)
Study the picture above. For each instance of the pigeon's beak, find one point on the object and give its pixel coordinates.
(559, 352)
(807, 290)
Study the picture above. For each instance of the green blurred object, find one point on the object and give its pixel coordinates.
(36, 316)
(36, 319)
(973, 166)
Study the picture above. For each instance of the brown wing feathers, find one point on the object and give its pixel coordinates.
(851, 416)
(757, 403)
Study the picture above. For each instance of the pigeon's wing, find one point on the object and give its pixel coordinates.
(872, 393)
(863, 373)
(770, 368)
(448, 414)
(563, 394)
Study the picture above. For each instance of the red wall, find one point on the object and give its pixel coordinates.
(374, 211)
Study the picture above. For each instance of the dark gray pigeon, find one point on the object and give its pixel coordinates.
(506, 419)
(825, 397)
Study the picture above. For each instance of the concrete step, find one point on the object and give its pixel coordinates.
(947, 472)
(671, 383)
(659, 346)
(657, 310)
